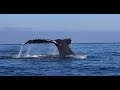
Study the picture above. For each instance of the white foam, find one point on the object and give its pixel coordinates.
(78, 56)
(81, 56)
(27, 56)
(37, 56)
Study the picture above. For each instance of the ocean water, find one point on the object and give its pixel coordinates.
(91, 59)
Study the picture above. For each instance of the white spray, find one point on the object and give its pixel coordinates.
(53, 50)
(20, 52)
(28, 51)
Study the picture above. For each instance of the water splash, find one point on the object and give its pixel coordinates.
(20, 52)
(53, 50)
(78, 56)
(28, 51)
(81, 56)
(38, 56)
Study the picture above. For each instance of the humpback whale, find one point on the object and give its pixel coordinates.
(61, 44)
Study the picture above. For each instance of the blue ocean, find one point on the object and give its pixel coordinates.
(91, 59)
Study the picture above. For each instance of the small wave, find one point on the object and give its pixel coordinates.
(42, 56)
(78, 56)
(37, 56)
(6, 57)
(53, 56)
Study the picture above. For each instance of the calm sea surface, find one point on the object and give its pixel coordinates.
(92, 59)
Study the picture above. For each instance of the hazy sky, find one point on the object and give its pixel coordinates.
(71, 22)
(91, 27)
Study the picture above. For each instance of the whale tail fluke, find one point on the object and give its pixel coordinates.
(35, 41)
(61, 44)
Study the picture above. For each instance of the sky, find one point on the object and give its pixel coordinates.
(88, 28)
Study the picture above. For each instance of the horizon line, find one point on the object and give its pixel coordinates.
(71, 43)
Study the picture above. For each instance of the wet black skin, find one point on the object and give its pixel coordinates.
(63, 47)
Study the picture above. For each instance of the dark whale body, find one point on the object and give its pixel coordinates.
(61, 44)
